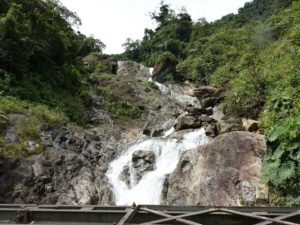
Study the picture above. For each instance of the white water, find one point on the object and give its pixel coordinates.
(167, 153)
(163, 88)
(149, 189)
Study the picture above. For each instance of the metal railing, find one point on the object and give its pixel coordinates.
(147, 214)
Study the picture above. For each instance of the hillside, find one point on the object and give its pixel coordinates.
(67, 110)
(255, 56)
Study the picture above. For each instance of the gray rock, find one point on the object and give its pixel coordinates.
(187, 122)
(125, 175)
(227, 125)
(70, 171)
(147, 156)
(224, 172)
(206, 119)
(142, 162)
(133, 69)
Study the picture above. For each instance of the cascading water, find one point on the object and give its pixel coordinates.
(167, 152)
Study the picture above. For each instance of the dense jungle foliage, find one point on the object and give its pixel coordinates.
(40, 55)
(255, 55)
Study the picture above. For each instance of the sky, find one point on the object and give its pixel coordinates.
(113, 21)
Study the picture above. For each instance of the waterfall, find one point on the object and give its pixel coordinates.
(167, 153)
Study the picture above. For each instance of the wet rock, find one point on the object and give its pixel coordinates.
(251, 125)
(143, 162)
(125, 175)
(147, 156)
(224, 172)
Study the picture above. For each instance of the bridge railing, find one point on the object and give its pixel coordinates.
(147, 214)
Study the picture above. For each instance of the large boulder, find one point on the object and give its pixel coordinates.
(230, 124)
(133, 69)
(224, 172)
(186, 121)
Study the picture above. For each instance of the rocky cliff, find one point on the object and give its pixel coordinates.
(225, 171)
(127, 108)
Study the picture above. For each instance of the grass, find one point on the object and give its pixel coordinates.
(28, 127)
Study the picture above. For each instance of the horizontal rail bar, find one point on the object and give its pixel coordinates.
(93, 214)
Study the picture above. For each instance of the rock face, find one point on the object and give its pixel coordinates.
(71, 170)
(225, 172)
(129, 69)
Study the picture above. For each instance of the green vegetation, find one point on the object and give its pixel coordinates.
(255, 55)
(119, 97)
(119, 109)
(41, 55)
(29, 120)
(166, 45)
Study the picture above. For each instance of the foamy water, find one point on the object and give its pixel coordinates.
(149, 189)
